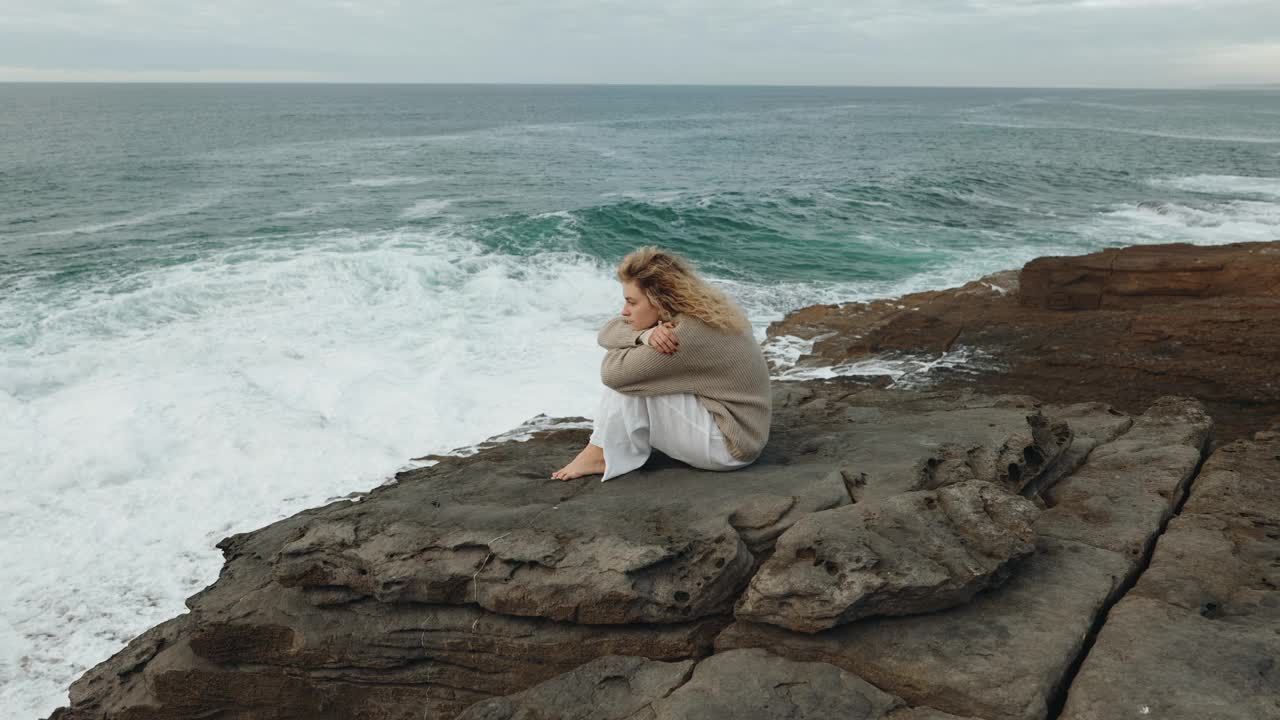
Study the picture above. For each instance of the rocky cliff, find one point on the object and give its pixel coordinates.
(963, 552)
(1123, 326)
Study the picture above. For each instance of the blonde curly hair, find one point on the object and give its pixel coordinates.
(671, 284)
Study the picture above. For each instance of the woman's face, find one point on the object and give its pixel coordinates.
(640, 314)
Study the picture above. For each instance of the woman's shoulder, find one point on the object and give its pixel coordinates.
(692, 325)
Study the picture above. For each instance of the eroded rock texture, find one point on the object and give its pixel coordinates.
(1123, 326)
(1006, 654)
(481, 577)
(910, 553)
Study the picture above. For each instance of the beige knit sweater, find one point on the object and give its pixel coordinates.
(726, 371)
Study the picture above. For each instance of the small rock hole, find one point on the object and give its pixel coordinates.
(831, 567)
(719, 562)
(682, 596)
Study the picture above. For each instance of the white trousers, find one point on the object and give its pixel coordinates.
(630, 427)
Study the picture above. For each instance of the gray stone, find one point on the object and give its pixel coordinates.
(662, 546)
(1199, 635)
(1132, 483)
(1006, 654)
(1092, 424)
(609, 688)
(481, 576)
(1155, 660)
(729, 686)
(911, 553)
(1005, 440)
(1000, 657)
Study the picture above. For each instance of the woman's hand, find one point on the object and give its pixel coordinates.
(663, 339)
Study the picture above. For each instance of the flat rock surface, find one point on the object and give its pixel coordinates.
(481, 577)
(1199, 636)
(1132, 483)
(999, 657)
(1135, 324)
(735, 685)
(667, 545)
(1006, 654)
(910, 553)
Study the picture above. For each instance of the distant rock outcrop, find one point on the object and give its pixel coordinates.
(1123, 326)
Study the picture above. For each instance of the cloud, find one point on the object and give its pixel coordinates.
(29, 74)
(974, 42)
(1245, 63)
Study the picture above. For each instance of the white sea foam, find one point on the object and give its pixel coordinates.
(657, 197)
(904, 370)
(1215, 224)
(141, 425)
(1032, 125)
(1232, 185)
(523, 432)
(425, 208)
(185, 207)
(308, 211)
(389, 181)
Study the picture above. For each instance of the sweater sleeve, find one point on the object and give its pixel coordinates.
(635, 369)
(617, 334)
(640, 369)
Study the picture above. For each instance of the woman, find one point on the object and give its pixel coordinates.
(682, 374)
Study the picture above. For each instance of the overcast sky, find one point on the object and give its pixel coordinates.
(1094, 43)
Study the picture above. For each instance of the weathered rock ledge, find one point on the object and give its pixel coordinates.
(935, 555)
(1122, 326)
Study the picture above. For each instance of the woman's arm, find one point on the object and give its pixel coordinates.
(617, 334)
(636, 369)
(643, 369)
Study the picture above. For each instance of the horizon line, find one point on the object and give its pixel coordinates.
(1214, 86)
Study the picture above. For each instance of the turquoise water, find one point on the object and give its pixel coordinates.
(220, 304)
(761, 185)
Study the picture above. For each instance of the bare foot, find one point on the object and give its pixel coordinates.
(589, 462)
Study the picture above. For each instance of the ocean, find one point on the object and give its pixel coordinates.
(221, 304)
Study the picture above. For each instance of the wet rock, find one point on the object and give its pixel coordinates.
(1199, 635)
(910, 553)
(1169, 319)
